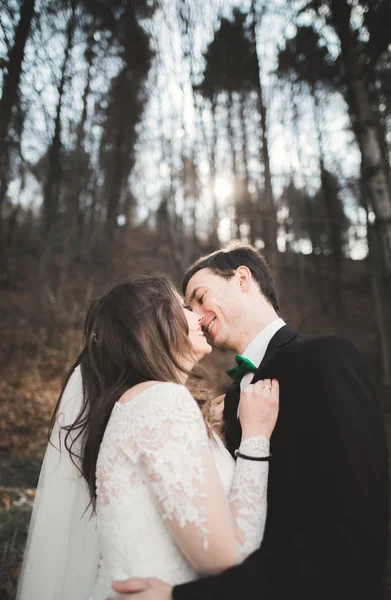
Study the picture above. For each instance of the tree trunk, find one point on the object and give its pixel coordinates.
(80, 182)
(168, 222)
(298, 209)
(249, 205)
(378, 297)
(10, 92)
(234, 155)
(167, 227)
(333, 207)
(378, 302)
(53, 180)
(194, 223)
(268, 211)
(114, 195)
(215, 242)
(374, 173)
(377, 97)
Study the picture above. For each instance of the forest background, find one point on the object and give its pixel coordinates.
(137, 134)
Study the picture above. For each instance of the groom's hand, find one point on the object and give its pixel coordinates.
(143, 589)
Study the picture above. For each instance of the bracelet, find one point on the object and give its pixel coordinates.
(247, 457)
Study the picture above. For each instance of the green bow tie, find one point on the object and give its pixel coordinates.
(243, 366)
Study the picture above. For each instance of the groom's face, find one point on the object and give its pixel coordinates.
(219, 303)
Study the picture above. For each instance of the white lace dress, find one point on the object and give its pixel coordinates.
(171, 503)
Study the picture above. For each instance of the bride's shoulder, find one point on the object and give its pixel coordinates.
(168, 390)
(166, 399)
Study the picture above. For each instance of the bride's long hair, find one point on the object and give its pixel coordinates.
(135, 332)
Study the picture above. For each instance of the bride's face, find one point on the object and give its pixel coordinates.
(196, 335)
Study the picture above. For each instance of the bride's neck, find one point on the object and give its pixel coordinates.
(187, 365)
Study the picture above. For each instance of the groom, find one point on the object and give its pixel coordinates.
(327, 525)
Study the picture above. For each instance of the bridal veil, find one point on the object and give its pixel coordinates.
(61, 557)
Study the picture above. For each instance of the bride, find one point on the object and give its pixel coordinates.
(159, 494)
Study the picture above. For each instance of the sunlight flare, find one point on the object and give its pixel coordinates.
(223, 188)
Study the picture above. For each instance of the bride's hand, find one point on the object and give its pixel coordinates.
(217, 407)
(258, 408)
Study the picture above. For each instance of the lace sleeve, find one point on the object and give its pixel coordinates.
(174, 453)
(248, 498)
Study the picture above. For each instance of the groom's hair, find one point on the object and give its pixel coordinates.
(225, 261)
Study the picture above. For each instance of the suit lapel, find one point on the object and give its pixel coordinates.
(233, 431)
(280, 339)
(231, 398)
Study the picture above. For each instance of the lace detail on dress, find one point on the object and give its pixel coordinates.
(168, 432)
(256, 445)
(248, 499)
(163, 431)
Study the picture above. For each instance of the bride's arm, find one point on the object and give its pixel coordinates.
(174, 452)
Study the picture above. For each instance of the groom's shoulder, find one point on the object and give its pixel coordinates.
(329, 346)
(323, 354)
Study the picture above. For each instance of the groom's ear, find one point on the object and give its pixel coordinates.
(244, 277)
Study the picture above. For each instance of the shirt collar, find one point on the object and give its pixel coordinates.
(256, 349)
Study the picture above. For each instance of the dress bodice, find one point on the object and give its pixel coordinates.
(153, 476)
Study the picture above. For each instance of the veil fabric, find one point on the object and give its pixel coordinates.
(61, 556)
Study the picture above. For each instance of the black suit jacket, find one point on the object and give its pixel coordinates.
(327, 525)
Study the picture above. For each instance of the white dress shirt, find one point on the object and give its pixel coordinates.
(256, 349)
